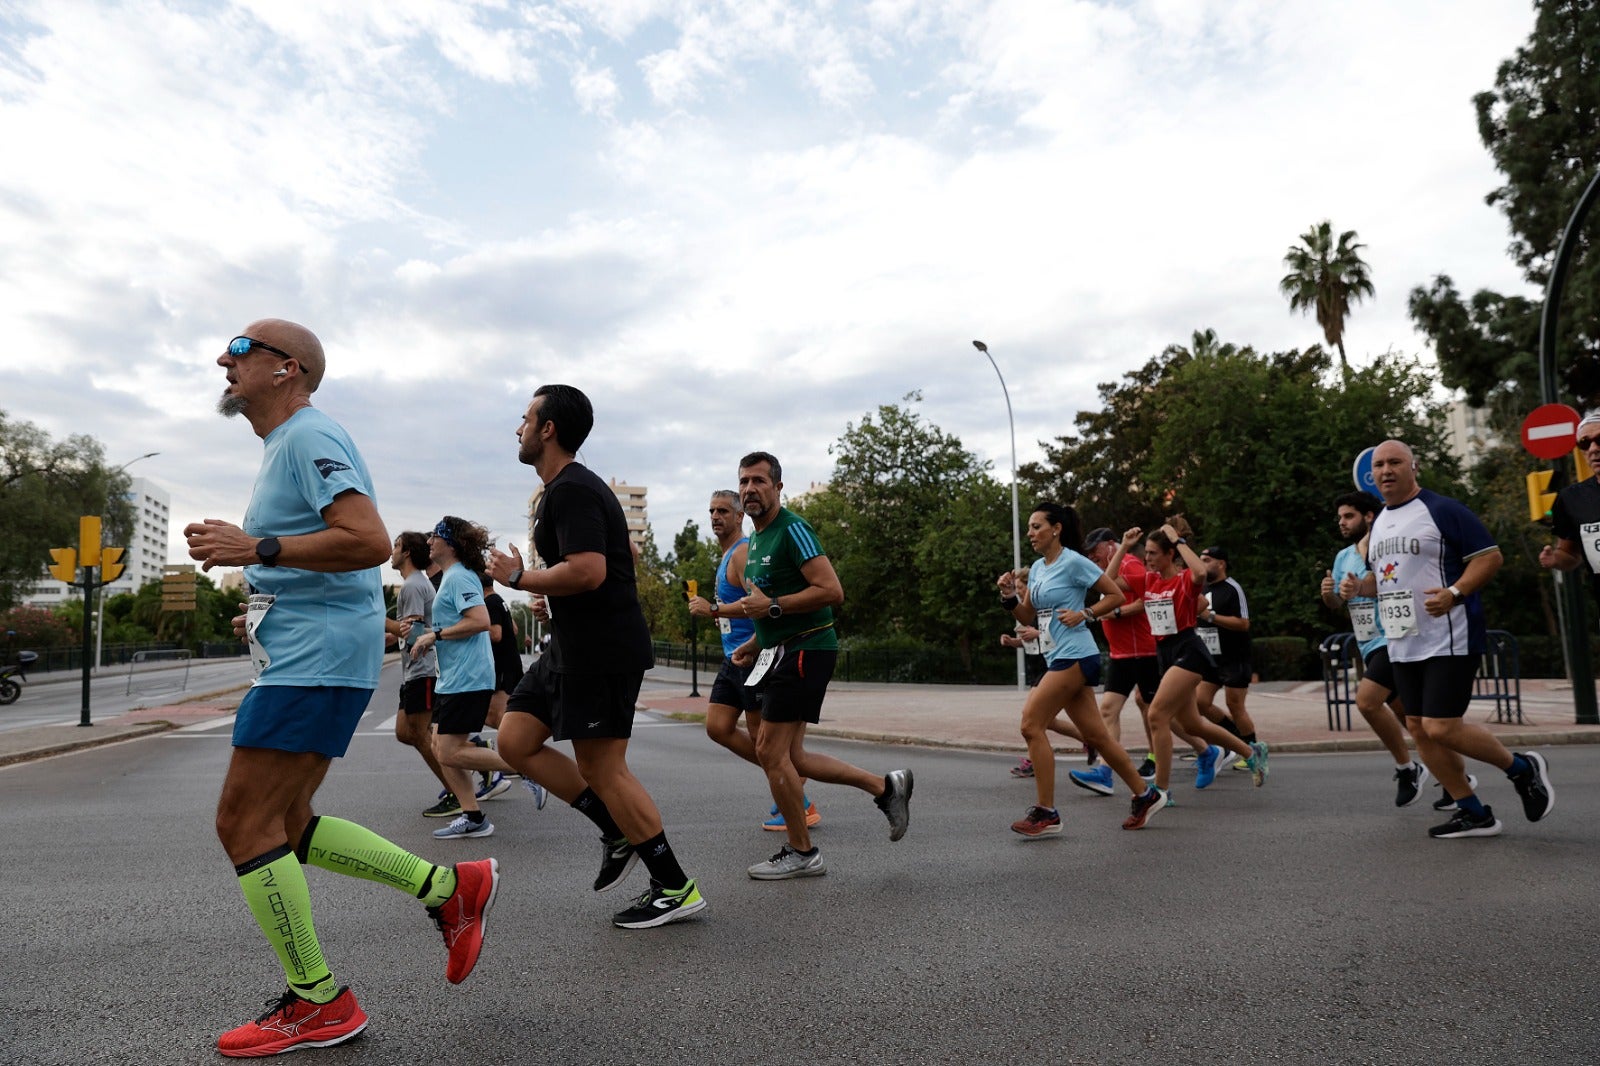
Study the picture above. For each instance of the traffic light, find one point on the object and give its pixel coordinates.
(89, 540)
(692, 588)
(64, 564)
(111, 564)
(1581, 461)
(1540, 499)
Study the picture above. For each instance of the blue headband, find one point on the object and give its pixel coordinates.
(442, 531)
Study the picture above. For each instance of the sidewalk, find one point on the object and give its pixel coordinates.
(1290, 717)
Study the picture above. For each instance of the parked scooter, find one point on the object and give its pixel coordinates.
(11, 677)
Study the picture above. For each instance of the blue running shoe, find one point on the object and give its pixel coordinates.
(1205, 767)
(1099, 780)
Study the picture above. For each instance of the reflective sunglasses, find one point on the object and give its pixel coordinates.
(245, 345)
(1585, 442)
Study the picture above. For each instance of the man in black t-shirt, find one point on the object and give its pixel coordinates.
(1576, 515)
(584, 689)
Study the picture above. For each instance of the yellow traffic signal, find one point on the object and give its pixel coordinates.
(64, 564)
(111, 564)
(1582, 463)
(692, 587)
(89, 540)
(1539, 500)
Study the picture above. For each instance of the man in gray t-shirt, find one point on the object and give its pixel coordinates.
(414, 608)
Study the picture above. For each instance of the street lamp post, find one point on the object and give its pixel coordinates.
(100, 614)
(1016, 520)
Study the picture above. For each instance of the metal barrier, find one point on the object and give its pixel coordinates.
(160, 680)
(1499, 677)
(1341, 673)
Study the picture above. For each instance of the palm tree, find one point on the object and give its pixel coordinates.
(1328, 278)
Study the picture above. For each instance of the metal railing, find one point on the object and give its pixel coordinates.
(1499, 677)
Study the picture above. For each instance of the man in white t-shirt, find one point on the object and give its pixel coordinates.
(1428, 556)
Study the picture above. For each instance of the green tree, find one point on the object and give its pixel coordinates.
(45, 486)
(1541, 125)
(964, 547)
(1325, 277)
(893, 475)
(1252, 449)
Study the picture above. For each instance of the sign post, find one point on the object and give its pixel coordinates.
(1549, 432)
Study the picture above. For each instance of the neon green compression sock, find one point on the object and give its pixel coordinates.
(347, 848)
(274, 886)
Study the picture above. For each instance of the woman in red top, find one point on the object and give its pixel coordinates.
(1170, 593)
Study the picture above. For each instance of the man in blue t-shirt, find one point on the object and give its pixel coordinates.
(311, 545)
(1375, 695)
(1428, 557)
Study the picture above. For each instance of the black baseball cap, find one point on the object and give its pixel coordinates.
(1219, 554)
(1098, 537)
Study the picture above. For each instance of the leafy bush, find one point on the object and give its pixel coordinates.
(1284, 659)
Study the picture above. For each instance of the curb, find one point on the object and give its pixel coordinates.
(1561, 738)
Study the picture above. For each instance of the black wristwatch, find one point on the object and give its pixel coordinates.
(774, 609)
(438, 634)
(267, 550)
(515, 580)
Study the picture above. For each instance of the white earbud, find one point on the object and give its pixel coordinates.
(280, 373)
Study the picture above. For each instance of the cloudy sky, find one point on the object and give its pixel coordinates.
(736, 225)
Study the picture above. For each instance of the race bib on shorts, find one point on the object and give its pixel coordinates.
(724, 627)
(764, 662)
(1212, 639)
(1363, 620)
(1397, 613)
(1163, 617)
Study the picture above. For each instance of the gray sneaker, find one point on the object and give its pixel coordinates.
(789, 863)
(462, 828)
(895, 802)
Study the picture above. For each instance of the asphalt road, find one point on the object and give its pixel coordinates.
(1307, 922)
(58, 697)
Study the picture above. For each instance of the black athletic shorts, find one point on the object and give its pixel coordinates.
(729, 689)
(1440, 687)
(460, 713)
(1234, 673)
(793, 688)
(416, 695)
(1141, 670)
(578, 706)
(1188, 652)
(1379, 669)
(1089, 664)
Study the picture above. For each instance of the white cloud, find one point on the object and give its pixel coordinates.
(771, 217)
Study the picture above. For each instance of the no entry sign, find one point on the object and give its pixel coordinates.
(1550, 431)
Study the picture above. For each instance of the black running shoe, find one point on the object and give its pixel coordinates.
(1447, 802)
(1466, 824)
(895, 802)
(616, 859)
(1409, 781)
(1538, 798)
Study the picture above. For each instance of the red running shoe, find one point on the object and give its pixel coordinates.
(461, 917)
(292, 1023)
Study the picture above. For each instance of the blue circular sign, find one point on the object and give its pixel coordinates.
(1362, 472)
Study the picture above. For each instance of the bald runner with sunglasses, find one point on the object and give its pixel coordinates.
(1576, 514)
(312, 545)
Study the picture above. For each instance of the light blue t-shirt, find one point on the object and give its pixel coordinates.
(464, 665)
(322, 629)
(1062, 585)
(1363, 609)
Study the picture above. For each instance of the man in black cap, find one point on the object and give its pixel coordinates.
(1225, 628)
